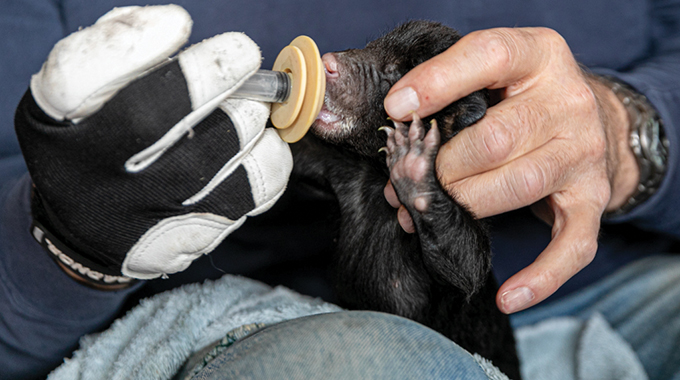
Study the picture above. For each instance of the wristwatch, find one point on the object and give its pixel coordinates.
(647, 140)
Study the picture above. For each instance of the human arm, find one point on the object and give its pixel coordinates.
(43, 312)
(493, 167)
(86, 110)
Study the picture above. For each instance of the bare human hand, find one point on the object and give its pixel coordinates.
(557, 141)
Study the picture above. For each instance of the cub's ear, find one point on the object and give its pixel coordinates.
(462, 113)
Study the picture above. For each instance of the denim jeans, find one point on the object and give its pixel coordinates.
(641, 302)
(345, 345)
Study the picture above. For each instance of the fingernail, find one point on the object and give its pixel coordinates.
(402, 103)
(516, 299)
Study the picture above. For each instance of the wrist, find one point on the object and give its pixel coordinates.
(74, 264)
(645, 141)
(624, 173)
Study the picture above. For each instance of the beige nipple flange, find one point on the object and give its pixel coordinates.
(302, 62)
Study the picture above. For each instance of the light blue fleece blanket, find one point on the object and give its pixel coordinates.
(155, 338)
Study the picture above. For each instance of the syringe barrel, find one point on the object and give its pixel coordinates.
(266, 86)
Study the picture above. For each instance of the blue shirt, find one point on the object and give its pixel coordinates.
(43, 313)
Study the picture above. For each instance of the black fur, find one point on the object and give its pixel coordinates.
(439, 276)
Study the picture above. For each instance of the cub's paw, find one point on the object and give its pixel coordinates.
(411, 153)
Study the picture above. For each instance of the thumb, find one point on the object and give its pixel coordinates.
(492, 58)
(432, 85)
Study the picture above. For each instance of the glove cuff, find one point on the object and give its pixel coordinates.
(77, 266)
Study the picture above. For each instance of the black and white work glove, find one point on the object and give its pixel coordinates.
(141, 163)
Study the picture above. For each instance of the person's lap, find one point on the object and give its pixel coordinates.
(641, 302)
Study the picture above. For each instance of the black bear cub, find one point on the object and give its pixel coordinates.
(439, 276)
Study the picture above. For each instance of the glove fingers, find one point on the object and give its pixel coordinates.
(99, 69)
(217, 66)
(87, 68)
(191, 168)
(171, 245)
(212, 70)
(254, 185)
(268, 166)
(248, 119)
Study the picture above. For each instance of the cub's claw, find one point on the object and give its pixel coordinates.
(388, 130)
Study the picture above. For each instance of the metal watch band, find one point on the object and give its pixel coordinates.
(647, 140)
